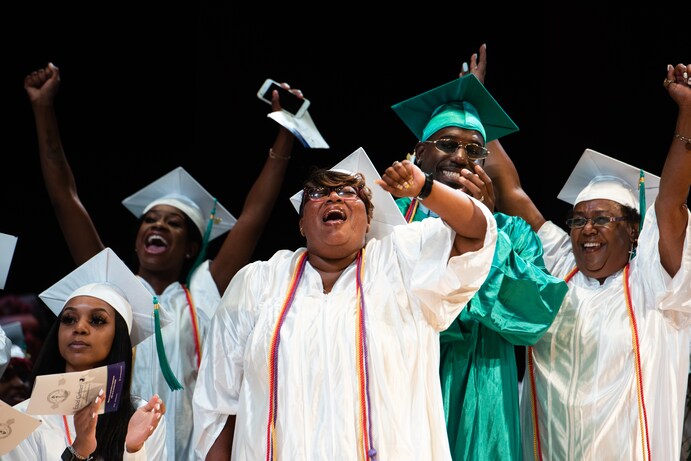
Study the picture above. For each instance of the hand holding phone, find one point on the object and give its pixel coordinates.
(290, 102)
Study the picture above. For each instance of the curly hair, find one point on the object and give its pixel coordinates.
(321, 177)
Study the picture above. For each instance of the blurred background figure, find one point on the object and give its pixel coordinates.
(25, 321)
(16, 382)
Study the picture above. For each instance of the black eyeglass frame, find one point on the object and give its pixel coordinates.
(484, 151)
(604, 220)
(329, 190)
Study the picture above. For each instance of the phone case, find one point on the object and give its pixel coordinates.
(289, 102)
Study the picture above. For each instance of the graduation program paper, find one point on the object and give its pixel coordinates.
(302, 128)
(67, 393)
(15, 426)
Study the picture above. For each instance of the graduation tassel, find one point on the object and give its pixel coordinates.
(641, 198)
(170, 378)
(205, 243)
(641, 207)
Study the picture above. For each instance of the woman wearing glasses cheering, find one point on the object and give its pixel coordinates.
(608, 379)
(330, 352)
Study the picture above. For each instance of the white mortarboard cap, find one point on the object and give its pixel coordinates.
(15, 333)
(7, 246)
(386, 214)
(105, 276)
(597, 176)
(179, 189)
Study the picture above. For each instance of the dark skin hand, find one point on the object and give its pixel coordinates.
(83, 240)
(670, 206)
(460, 171)
(402, 179)
(142, 424)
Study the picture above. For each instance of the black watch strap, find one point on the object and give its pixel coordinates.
(427, 187)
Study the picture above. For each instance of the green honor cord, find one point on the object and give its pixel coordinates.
(205, 243)
(170, 378)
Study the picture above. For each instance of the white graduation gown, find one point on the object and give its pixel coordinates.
(49, 440)
(584, 365)
(179, 343)
(412, 291)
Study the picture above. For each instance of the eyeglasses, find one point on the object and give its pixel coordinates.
(597, 221)
(320, 194)
(450, 146)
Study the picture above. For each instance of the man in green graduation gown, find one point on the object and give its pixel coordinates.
(518, 301)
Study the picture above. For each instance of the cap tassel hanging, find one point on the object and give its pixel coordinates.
(641, 197)
(642, 207)
(168, 374)
(205, 243)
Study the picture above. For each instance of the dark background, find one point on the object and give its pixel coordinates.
(148, 87)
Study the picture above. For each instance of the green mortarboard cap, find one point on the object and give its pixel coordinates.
(418, 111)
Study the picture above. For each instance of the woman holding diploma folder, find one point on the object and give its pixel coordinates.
(102, 311)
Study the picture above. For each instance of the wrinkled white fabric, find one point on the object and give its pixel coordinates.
(411, 290)
(179, 343)
(49, 440)
(5, 351)
(584, 365)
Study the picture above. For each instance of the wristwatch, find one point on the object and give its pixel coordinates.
(426, 187)
(70, 454)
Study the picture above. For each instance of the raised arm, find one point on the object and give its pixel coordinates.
(478, 64)
(241, 241)
(503, 188)
(77, 227)
(510, 198)
(671, 205)
(455, 207)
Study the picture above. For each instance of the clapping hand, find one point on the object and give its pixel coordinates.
(143, 422)
(85, 421)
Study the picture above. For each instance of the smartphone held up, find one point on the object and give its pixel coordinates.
(289, 102)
